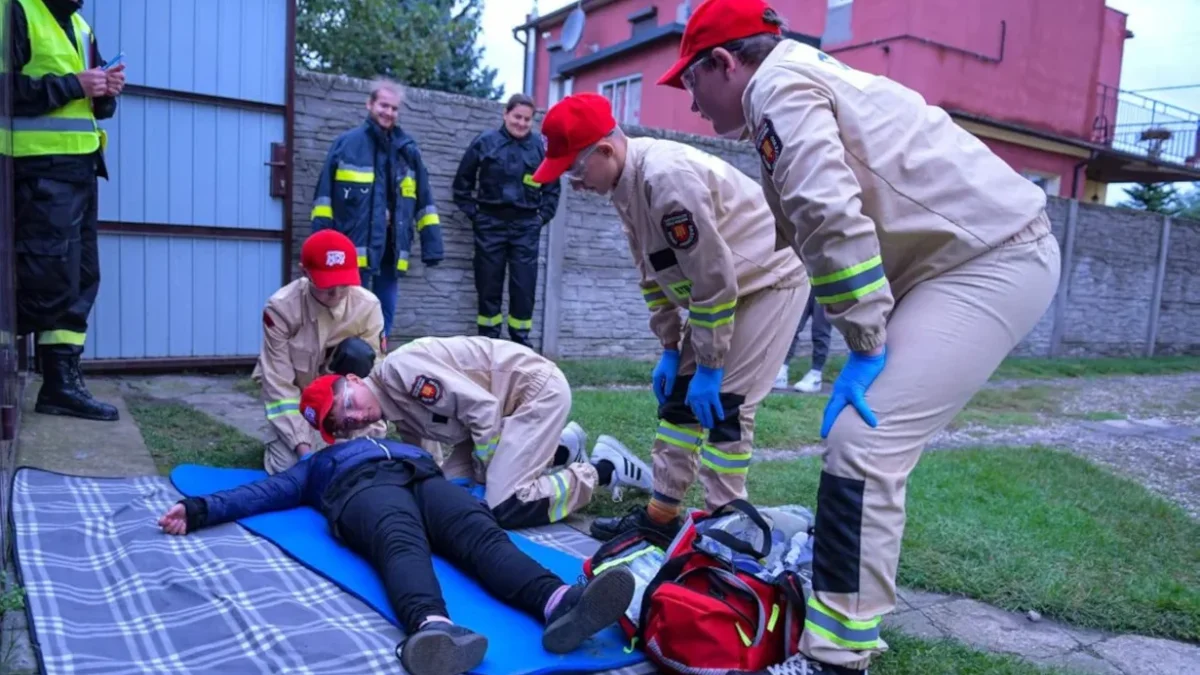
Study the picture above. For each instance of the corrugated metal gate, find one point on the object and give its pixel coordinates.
(194, 221)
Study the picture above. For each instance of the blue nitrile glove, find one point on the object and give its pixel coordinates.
(704, 395)
(850, 388)
(663, 377)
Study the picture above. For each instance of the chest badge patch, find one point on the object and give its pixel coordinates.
(768, 144)
(427, 390)
(680, 229)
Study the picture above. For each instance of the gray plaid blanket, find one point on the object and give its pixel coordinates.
(107, 593)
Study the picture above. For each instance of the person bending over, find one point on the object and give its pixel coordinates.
(500, 407)
(390, 503)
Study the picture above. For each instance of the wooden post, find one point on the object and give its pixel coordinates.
(1064, 282)
(1160, 275)
(556, 249)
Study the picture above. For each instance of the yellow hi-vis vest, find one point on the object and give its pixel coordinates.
(71, 129)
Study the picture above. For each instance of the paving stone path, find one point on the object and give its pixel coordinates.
(1167, 460)
(931, 615)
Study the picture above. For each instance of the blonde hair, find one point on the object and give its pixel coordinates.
(379, 84)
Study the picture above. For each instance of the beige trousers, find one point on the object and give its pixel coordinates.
(945, 339)
(520, 490)
(763, 329)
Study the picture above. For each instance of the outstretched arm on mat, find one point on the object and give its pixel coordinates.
(282, 491)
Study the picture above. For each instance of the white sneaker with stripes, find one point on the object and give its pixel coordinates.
(575, 440)
(628, 470)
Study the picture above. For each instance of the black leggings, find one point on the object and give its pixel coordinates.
(395, 528)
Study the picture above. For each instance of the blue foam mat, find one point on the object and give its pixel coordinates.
(514, 638)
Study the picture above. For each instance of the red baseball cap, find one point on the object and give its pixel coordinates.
(330, 259)
(571, 125)
(714, 23)
(316, 401)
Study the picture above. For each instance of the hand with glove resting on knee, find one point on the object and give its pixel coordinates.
(850, 388)
(704, 392)
(704, 396)
(663, 378)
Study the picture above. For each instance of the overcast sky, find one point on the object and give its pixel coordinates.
(1160, 54)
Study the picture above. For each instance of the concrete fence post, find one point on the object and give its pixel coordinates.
(1160, 275)
(1064, 282)
(556, 249)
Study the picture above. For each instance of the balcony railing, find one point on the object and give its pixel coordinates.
(1135, 124)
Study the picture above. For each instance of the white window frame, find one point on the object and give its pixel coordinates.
(560, 88)
(1050, 183)
(622, 116)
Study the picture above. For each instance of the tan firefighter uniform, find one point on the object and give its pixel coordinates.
(299, 336)
(703, 239)
(917, 236)
(500, 410)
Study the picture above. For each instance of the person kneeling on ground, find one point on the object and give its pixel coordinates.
(323, 322)
(499, 406)
(390, 503)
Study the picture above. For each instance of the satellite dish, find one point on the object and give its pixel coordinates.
(572, 29)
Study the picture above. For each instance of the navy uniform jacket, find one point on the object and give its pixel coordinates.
(365, 171)
(502, 166)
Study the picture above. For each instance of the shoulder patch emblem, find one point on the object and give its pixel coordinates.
(310, 414)
(427, 390)
(267, 320)
(680, 229)
(768, 144)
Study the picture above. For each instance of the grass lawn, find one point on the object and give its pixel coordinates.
(632, 416)
(790, 421)
(176, 433)
(1022, 528)
(913, 656)
(607, 372)
(1029, 529)
(1020, 406)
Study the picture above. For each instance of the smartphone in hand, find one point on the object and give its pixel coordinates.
(115, 62)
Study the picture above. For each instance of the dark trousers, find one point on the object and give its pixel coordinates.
(511, 244)
(385, 284)
(57, 258)
(821, 334)
(396, 527)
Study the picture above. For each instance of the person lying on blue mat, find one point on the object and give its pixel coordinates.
(390, 503)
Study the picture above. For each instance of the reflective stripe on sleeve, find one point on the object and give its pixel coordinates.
(851, 283)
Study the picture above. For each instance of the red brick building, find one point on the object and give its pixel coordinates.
(1038, 81)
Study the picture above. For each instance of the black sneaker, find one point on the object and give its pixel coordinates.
(637, 518)
(586, 609)
(441, 648)
(799, 664)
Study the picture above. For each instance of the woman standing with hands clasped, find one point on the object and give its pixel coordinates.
(494, 187)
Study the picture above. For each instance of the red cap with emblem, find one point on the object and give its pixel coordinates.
(330, 259)
(569, 127)
(714, 23)
(316, 401)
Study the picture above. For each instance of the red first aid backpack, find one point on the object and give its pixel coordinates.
(702, 613)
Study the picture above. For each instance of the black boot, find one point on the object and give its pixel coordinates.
(490, 332)
(637, 519)
(63, 391)
(520, 337)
